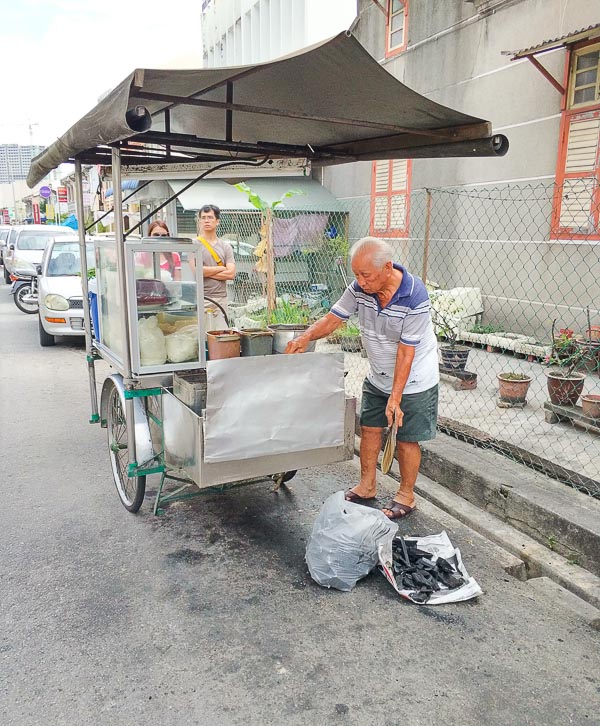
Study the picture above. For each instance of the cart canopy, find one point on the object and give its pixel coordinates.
(330, 103)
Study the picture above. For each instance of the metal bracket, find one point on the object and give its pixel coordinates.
(142, 392)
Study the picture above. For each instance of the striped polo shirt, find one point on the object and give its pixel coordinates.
(405, 319)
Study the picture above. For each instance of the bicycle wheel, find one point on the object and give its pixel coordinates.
(131, 489)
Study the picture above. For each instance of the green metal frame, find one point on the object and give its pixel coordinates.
(157, 465)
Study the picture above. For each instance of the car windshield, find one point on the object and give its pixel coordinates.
(4, 234)
(65, 260)
(37, 240)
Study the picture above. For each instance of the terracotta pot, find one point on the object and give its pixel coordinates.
(223, 344)
(563, 390)
(593, 333)
(590, 404)
(513, 390)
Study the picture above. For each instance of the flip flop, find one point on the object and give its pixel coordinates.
(351, 496)
(399, 510)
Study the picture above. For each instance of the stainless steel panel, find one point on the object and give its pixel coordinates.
(183, 449)
(273, 405)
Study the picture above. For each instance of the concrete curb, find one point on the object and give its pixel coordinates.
(551, 513)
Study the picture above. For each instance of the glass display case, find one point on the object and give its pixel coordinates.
(165, 311)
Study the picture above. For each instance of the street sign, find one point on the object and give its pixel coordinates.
(45, 192)
(62, 194)
(36, 213)
(5, 216)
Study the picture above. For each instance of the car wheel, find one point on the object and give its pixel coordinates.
(46, 339)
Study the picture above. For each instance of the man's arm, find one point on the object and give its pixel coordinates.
(218, 272)
(321, 329)
(404, 359)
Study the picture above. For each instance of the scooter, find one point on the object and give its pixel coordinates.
(25, 290)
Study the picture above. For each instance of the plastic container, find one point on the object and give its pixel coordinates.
(223, 344)
(256, 341)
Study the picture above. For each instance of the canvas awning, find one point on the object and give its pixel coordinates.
(330, 103)
(313, 197)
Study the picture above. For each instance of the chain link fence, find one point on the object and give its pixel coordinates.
(514, 283)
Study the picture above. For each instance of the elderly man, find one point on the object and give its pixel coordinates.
(395, 323)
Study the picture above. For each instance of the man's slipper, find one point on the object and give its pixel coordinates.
(351, 496)
(399, 510)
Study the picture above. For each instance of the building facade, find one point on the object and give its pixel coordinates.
(533, 70)
(15, 161)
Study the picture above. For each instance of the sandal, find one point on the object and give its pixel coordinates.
(352, 496)
(398, 510)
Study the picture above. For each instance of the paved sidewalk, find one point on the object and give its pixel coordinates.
(562, 443)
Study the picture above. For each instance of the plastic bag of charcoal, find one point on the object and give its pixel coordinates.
(426, 570)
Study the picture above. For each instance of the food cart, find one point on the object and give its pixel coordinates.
(218, 423)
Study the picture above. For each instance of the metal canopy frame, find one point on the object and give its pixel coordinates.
(193, 127)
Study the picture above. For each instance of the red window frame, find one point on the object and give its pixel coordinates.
(389, 194)
(568, 115)
(391, 52)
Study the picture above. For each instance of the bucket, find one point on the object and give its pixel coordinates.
(93, 300)
(283, 333)
(256, 341)
(223, 344)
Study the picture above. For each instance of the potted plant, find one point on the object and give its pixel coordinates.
(349, 338)
(565, 382)
(513, 387)
(446, 322)
(563, 344)
(589, 346)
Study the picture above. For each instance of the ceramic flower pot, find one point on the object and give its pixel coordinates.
(563, 389)
(513, 390)
(454, 358)
(590, 404)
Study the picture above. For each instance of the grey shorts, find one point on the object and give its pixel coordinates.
(419, 409)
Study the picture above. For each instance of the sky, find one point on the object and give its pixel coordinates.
(59, 56)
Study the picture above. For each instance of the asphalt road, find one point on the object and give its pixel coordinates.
(207, 615)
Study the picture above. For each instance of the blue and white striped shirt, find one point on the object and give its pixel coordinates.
(405, 319)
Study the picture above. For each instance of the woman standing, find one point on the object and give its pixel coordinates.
(170, 262)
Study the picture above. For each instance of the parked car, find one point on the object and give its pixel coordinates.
(4, 231)
(26, 243)
(59, 289)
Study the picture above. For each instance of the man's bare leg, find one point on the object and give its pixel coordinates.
(409, 461)
(370, 446)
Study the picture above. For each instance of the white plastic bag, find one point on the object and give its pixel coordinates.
(345, 540)
(182, 345)
(153, 351)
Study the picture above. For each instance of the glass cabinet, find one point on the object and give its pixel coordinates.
(165, 312)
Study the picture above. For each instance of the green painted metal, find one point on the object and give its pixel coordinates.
(132, 469)
(95, 418)
(142, 392)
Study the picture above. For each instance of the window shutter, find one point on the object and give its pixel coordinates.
(579, 181)
(582, 147)
(399, 174)
(382, 176)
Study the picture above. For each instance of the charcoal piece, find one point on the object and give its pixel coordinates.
(424, 564)
(445, 566)
(450, 581)
(420, 597)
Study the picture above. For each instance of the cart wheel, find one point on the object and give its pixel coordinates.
(282, 478)
(131, 488)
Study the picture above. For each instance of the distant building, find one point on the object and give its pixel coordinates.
(255, 31)
(15, 161)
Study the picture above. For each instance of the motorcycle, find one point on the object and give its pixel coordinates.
(25, 290)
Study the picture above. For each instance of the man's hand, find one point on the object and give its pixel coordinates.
(298, 345)
(393, 409)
